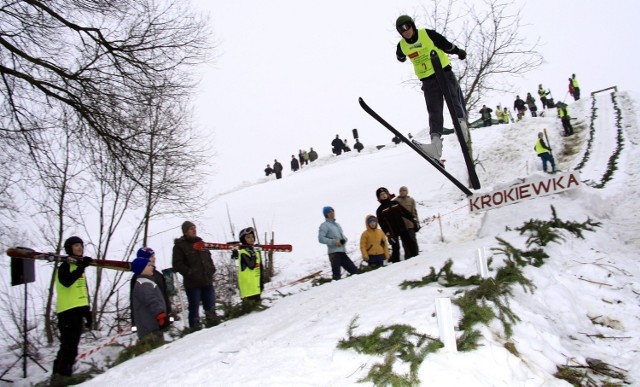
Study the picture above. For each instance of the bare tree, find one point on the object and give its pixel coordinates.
(98, 58)
(491, 33)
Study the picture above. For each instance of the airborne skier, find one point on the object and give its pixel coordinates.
(417, 45)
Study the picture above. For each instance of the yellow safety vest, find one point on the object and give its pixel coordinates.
(249, 278)
(73, 296)
(574, 82)
(539, 148)
(420, 54)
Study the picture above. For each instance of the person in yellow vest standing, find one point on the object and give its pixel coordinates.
(250, 268)
(72, 308)
(417, 44)
(575, 86)
(544, 152)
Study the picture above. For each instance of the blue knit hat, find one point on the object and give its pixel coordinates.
(326, 210)
(145, 252)
(138, 265)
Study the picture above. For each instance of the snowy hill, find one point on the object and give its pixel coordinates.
(585, 305)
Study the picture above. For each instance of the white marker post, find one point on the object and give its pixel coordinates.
(481, 262)
(445, 324)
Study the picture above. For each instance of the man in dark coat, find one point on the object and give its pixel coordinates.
(313, 155)
(277, 169)
(337, 145)
(520, 106)
(295, 165)
(391, 217)
(268, 170)
(485, 112)
(358, 146)
(197, 269)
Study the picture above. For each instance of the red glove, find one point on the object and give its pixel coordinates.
(162, 319)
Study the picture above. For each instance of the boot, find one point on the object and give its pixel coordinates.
(436, 142)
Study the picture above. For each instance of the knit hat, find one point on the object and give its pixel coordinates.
(371, 219)
(138, 265)
(186, 226)
(326, 210)
(145, 252)
(71, 241)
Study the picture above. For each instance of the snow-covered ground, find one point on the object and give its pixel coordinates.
(294, 342)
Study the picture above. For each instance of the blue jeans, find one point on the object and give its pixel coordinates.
(205, 295)
(547, 158)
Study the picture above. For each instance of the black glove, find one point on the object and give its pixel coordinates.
(86, 261)
(343, 241)
(416, 225)
(462, 54)
(88, 319)
(234, 254)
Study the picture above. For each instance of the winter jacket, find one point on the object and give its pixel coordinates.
(313, 155)
(148, 303)
(330, 232)
(486, 113)
(541, 147)
(373, 242)
(410, 205)
(159, 279)
(277, 167)
(420, 52)
(519, 104)
(196, 267)
(295, 165)
(391, 217)
(531, 102)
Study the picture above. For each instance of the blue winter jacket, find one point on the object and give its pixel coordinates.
(330, 232)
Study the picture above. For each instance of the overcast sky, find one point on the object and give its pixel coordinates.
(287, 74)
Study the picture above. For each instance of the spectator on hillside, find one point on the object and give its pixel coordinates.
(500, 116)
(148, 304)
(520, 106)
(295, 165)
(358, 146)
(531, 103)
(412, 225)
(250, 268)
(330, 234)
(373, 243)
(305, 157)
(345, 147)
(337, 145)
(507, 115)
(300, 158)
(573, 82)
(268, 170)
(396, 140)
(313, 155)
(485, 112)
(544, 152)
(391, 217)
(543, 96)
(563, 114)
(277, 169)
(157, 277)
(197, 269)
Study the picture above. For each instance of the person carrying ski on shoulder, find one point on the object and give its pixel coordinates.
(250, 268)
(544, 152)
(417, 44)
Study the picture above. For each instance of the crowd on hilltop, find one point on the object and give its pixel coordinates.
(304, 157)
(520, 107)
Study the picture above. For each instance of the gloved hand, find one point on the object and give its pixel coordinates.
(86, 261)
(162, 319)
(343, 241)
(416, 225)
(462, 54)
(88, 319)
(234, 254)
(401, 58)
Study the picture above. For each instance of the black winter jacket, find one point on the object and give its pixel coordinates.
(196, 267)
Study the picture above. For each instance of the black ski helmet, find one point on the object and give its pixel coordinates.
(71, 241)
(244, 233)
(402, 20)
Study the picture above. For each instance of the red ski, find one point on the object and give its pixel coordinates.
(234, 246)
(27, 253)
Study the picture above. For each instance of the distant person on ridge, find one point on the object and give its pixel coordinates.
(576, 87)
(563, 114)
(337, 145)
(520, 106)
(531, 103)
(313, 155)
(543, 96)
(500, 116)
(345, 147)
(268, 170)
(295, 165)
(544, 152)
(417, 44)
(485, 112)
(277, 169)
(358, 146)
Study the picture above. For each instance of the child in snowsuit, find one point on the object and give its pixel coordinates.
(149, 307)
(250, 280)
(373, 243)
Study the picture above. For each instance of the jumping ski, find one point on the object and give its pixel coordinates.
(27, 253)
(437, 66)
(234, 246)
(413, 146)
